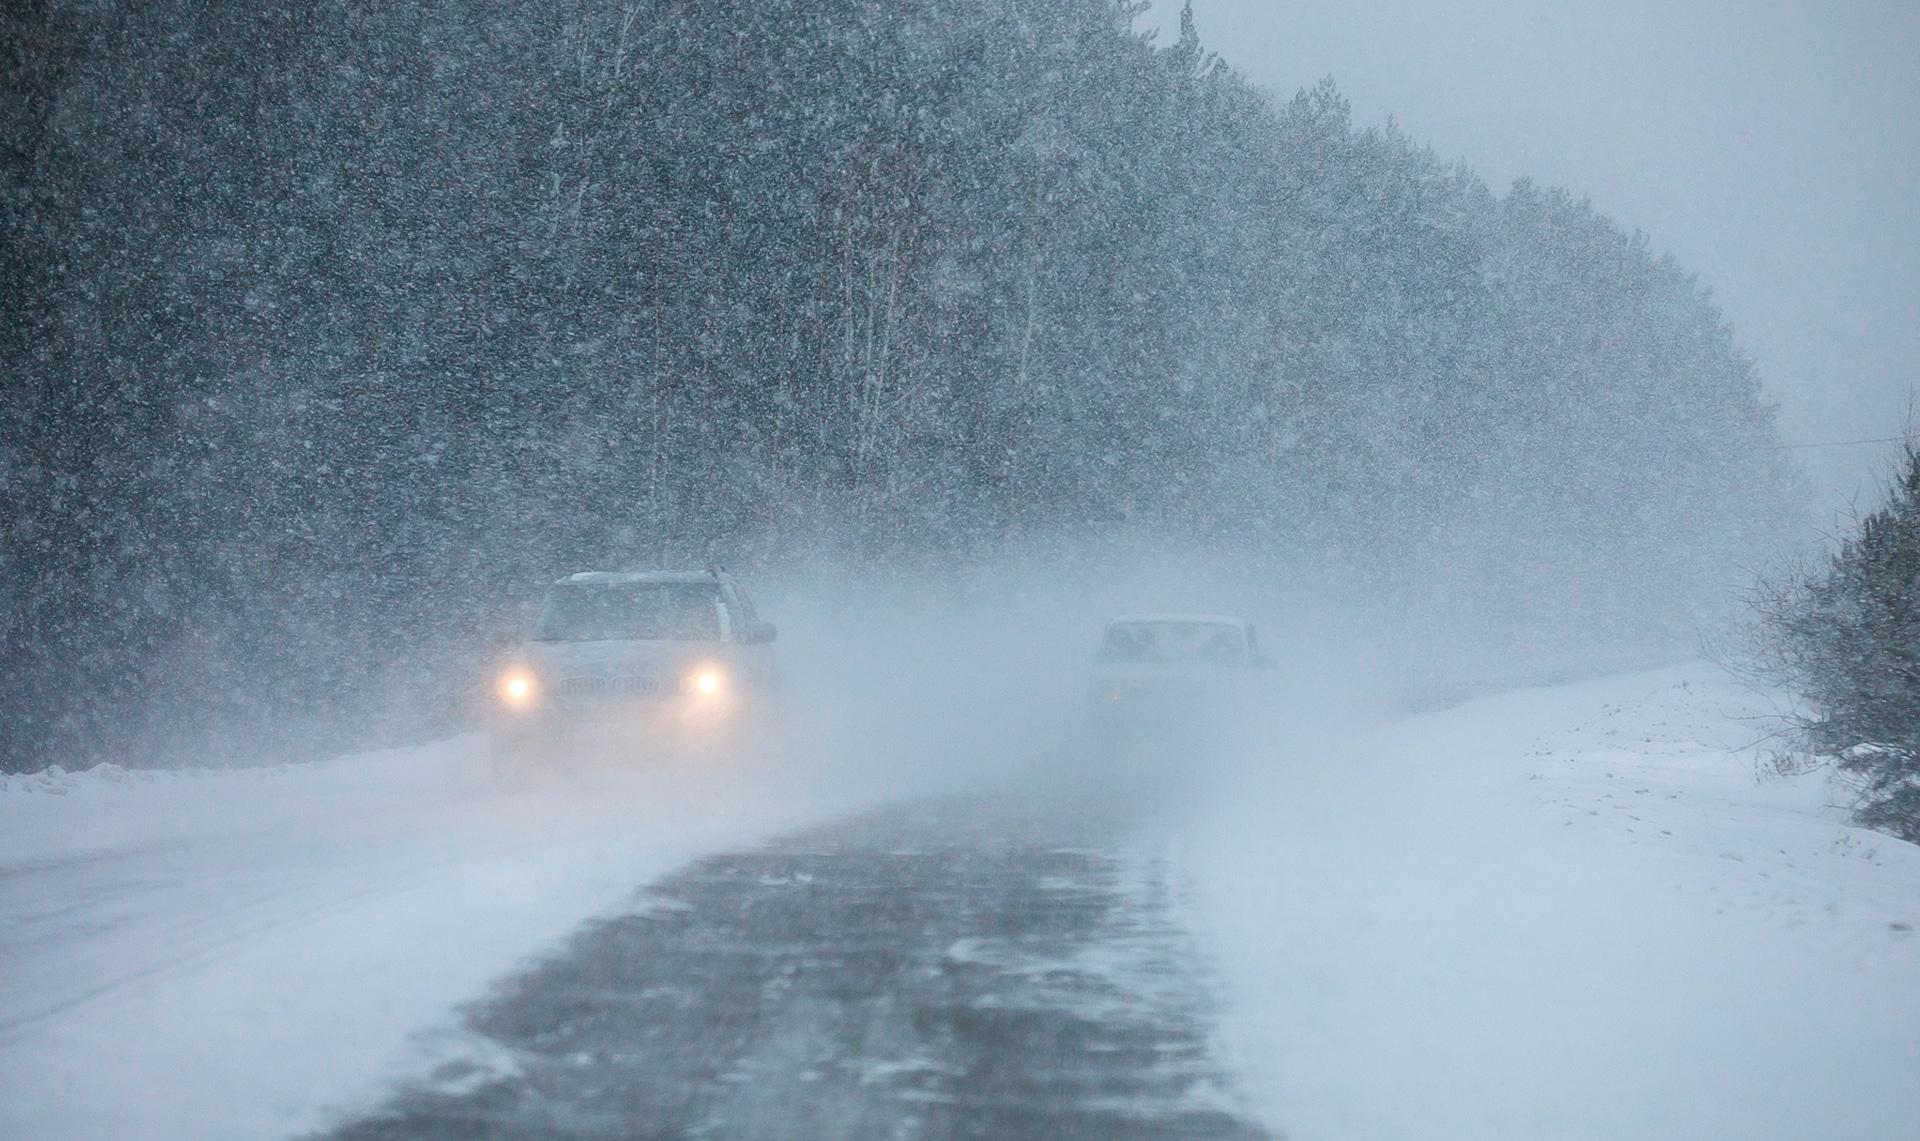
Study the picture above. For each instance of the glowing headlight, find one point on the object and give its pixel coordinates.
(518, 689)
(706, 681)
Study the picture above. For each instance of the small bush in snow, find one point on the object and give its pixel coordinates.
(1847, 636)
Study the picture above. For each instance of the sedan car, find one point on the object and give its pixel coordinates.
(1173, 679)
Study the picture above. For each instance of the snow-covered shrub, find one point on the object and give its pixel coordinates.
(1847, 636)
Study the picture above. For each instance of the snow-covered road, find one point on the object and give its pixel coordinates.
(1567, 912)
(240, 953)
(967, 967)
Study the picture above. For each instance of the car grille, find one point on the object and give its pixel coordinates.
(606, 688)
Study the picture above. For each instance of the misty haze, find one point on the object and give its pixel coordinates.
(815, 569)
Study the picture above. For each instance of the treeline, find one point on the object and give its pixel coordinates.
(333, 326)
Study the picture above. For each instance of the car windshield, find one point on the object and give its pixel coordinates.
(1213, 643)
(630, 611)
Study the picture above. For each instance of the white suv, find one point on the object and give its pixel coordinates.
(641, 663)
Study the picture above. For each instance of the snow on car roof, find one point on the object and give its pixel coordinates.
(1196, 619)
(665, 576)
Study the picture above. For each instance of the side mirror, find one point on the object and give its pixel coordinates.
(759, 634)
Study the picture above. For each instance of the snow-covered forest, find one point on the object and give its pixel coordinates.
(333, 328)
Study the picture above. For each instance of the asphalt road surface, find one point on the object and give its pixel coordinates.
(960, 969)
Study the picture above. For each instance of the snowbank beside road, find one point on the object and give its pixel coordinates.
(232, 953)
(1562, 913)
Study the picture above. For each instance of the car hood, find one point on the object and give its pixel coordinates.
(617, 659)
(1169, 671)
(1177, 680)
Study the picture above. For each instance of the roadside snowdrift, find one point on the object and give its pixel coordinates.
(1559, 913)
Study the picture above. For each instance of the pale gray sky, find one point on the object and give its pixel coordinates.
(1773, 146)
